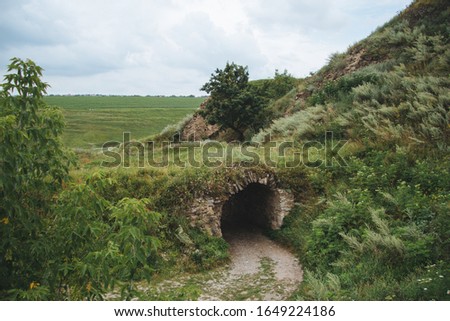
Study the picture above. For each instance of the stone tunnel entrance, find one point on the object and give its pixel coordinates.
(253, 199)
(255, 206)
(238, 212)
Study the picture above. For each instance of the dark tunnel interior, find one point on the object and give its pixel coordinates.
(251, 208)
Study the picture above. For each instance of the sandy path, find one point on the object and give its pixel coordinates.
(248, 247)
(260, 269)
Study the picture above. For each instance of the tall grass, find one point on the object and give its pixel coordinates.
(380, 227)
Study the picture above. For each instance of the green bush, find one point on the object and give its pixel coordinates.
(342, 87)
(209, 251)
(276, 87)
(380, 233)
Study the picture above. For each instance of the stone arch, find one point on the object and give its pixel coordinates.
(254, 198)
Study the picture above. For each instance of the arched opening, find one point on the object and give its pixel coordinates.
(253, 207)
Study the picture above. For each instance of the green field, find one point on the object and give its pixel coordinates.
(93, 120)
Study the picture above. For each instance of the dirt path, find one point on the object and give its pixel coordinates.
(248, 247)
(260, 269)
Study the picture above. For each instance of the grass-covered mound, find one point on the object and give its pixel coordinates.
(377, 228)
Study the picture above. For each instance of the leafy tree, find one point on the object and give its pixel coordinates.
(59, 240)
(233, 103)
(32, 166)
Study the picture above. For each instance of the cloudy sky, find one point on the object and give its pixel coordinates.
(172, 46)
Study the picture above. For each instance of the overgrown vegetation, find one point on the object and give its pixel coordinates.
(377, 229)
(78, 240)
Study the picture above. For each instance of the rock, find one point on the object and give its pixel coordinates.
(197, 129)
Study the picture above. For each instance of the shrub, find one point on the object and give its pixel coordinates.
(209, 251)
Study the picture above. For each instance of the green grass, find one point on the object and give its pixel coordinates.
(93, 120)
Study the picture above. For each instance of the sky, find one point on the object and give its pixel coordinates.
(171, 47)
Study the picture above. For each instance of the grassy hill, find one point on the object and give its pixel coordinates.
(413, 44)
(378, 227)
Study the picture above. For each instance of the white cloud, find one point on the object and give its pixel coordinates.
(171, 47)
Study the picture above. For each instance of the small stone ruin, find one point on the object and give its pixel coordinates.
(252, 199)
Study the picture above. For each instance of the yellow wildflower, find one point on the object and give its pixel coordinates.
(33, 285)
(5, 220)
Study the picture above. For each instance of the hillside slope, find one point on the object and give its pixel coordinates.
(418, 37)
(376, 227)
